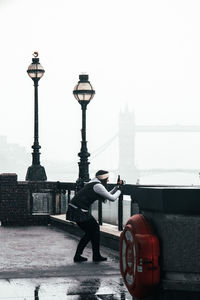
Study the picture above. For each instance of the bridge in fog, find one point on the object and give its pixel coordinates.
(167, 128)
(14, 157)
(164, 170)
(131, 142)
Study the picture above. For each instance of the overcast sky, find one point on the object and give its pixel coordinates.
(144, 54)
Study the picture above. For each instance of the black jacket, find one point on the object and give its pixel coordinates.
(86, 196)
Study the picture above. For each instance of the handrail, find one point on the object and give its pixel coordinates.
(126, 190)
(59, 188)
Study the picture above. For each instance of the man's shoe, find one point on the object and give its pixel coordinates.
(99, 258)
(79, 258)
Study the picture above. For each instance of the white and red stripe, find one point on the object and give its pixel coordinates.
(103, 176)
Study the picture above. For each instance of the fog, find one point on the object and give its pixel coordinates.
(141, 56)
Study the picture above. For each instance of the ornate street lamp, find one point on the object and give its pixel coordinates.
(83, 92)
(36, 171)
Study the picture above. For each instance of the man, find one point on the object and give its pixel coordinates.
(78, 211)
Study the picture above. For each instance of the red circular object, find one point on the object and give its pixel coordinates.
(139, 253)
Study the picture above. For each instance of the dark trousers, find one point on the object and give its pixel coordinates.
(92, 233)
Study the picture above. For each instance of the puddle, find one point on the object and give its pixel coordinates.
(63, 288)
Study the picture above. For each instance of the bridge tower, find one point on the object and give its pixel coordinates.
(127, 129)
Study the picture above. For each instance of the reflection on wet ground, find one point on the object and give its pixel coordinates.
(98, 289)
(63, 288)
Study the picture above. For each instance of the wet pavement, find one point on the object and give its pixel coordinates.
(37, 263)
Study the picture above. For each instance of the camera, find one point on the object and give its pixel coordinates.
(120, 181)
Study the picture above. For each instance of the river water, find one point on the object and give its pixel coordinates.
(168, 150)
(171, 178)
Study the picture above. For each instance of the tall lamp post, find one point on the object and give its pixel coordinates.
(36, 171)
(83, 92)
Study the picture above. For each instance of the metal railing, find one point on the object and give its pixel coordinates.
(70, 188)
(43, 198)
(126, 190)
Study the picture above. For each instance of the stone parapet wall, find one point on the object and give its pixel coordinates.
(179, 240)
(16, 201)
(174, 214)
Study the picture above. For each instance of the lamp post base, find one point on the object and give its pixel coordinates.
(36, 172)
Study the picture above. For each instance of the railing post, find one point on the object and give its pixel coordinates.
(68, 197)
(54, 203)
(134, 206)
(120, 213)
(59, 204)
(131, 208)
(31, 202)
(100, 212)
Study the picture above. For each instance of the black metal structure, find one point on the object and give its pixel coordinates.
(83, 92)
(36, 171)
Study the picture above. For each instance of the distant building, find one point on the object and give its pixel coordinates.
(13, 158)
